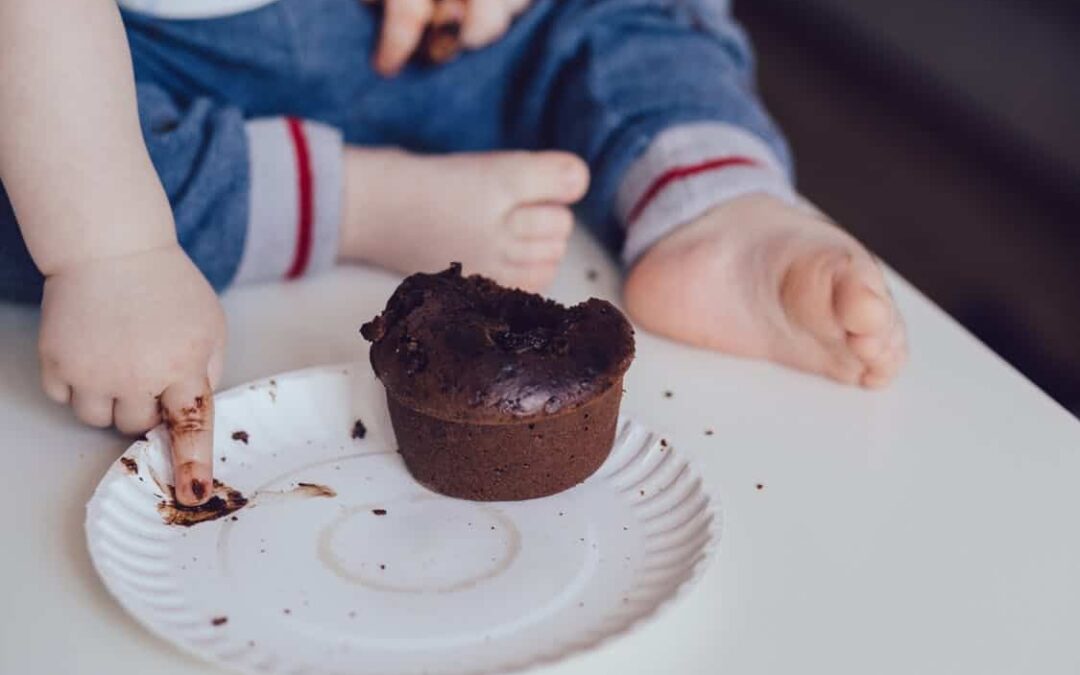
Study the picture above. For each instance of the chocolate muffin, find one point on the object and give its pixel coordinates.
(498, 394)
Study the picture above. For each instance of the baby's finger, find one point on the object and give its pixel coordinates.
(188, 410)
(443, 39)
(485, 22)
(403, 26)
(92, 408)
(136, 414)
(55, 386)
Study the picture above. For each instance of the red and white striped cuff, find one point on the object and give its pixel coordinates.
(295, 195)
(686, 171)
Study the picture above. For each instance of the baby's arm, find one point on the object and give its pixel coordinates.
(126, 316)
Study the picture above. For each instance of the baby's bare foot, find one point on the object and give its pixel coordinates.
(756, 277)
(505, 215)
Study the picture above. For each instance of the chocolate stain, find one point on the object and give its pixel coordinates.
(131, 465)
(225, 501)
(241, 436)
(190, 420)
(359, 430)
(198, 488)
(313, 490)
(591, 275)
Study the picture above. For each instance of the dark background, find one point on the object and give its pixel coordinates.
(946, 135)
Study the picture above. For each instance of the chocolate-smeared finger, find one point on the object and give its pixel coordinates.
(403, 26)
(442, 39)
(187, 409)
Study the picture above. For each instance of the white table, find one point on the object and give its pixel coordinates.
(930, 528)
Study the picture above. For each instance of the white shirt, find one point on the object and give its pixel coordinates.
(192, 9)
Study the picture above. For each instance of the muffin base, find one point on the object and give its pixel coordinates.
(511, 461)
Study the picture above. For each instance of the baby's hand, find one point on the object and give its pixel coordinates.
(124, 338)
(481, 22)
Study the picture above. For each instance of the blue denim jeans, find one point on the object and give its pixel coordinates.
(599, 78)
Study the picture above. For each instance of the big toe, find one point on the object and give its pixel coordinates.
(875, 331)
(542, 177)
(861, 309)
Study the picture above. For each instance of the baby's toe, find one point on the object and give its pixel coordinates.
(542, 221)
(541, 177)
(867, 347)
(532, 277)
(882, 369)
(860, 309)
(535, 251)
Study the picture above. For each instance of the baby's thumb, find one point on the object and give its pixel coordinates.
(187, 407)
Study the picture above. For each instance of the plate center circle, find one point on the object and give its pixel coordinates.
(418, 545)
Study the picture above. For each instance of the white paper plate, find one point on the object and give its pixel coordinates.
(301, 583)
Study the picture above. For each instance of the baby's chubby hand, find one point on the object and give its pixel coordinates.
(125, 338)
(405, 21)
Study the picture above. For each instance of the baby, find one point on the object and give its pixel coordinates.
(253, 142)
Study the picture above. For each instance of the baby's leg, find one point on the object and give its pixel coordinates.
(346, 197)
(502, 214)
(688, 171)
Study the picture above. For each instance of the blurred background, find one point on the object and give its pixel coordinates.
(945, 135)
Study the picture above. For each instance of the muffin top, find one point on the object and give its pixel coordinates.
(466, 349)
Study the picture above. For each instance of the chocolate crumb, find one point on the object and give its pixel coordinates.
(219, 620)
(234, 519)
(592, 275)
(708, 432)
(251, 643)
(663, 442)
(241, 436)
(379, 512)
(669, 394)
(760, 486)
(359, 430)
(315, 490)
(642, 492)
(352, 615)
(131, 465)
(288, 611)
(382, 567)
